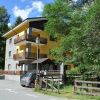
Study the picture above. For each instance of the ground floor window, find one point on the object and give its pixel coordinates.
(9, 66)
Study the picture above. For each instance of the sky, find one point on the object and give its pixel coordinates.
(24, 8)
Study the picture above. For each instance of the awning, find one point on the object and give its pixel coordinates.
(40, 60)
(26, 61)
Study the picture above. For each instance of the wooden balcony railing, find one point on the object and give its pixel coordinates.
(29, 38)
(9, 72)
(33, 39)
(27, 55)
(19, 39)
(24, 55)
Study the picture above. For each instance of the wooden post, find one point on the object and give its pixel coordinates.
(75, 84)
(81, 88)
(52, 83)
(87, 88)
(91, 89)
(46, 83)
(40, 83)
(58, 84)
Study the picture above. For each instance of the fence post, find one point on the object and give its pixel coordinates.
(46, 83)
(75, 86)
(52, 83)
(58, 84)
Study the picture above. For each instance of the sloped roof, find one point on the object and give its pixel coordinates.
(25, 22)
(40, 60)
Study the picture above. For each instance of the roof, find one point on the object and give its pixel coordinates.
(40, 60)
(26, 21)
(25, 61)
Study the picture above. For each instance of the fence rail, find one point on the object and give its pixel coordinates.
(51, 83)
(1, 72)
(11, 72)
(87, 87)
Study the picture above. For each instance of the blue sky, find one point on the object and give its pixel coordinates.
(24, 8)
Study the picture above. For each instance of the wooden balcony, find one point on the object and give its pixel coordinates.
(27, 55)
(30, 38)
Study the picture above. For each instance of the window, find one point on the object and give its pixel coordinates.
(16, 65)
(9, 53)
(18, 36)
(9, 65)
(10, 41)
(17, 50)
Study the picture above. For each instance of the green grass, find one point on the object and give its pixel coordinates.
(68, 92)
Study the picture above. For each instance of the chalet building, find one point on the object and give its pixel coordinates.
(24, 44)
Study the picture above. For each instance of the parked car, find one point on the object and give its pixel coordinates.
(28, 79)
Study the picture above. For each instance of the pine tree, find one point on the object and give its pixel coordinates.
(4, 19)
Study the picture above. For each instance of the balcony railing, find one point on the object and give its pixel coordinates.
(19, 39)
(29, 38)
(23, 55)
(27, 55)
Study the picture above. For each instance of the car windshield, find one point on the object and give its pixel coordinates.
(28, 75)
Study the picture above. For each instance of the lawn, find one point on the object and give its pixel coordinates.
(68, 92)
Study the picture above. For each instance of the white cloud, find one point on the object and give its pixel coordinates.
(9, 24)
(23, 13)
(37, 6)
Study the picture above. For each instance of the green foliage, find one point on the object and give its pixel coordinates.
(82, 72)
(80, 34)
(18, 21)
(4, 19)
(91, 38)
(58, 18)
(73, 71)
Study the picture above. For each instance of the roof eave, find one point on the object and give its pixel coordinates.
(25, 21)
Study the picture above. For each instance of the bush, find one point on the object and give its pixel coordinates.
(73, 71)
(72, 75)
(83, 72)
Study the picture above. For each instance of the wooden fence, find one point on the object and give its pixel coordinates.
(51, 80)
(1, 72)
(87, 87)
(72, 77)
(11, 72)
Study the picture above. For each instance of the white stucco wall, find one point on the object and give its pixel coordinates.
(9, 60)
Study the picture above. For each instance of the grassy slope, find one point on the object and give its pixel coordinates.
(68, 92)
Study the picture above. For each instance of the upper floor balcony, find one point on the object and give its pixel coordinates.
(27, 55)
(30, 38)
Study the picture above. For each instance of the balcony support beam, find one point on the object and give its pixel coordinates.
(28, 47)
(30, 30)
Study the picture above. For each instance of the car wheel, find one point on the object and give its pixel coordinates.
(32, 85)
(22, 85)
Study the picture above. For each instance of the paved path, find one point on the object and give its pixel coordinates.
(11, 90)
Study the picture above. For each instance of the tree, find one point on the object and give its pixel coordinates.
(57, 14)
(4, 19)
(18, 21)
(91, 39)
(64, 20)
(81, 32)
